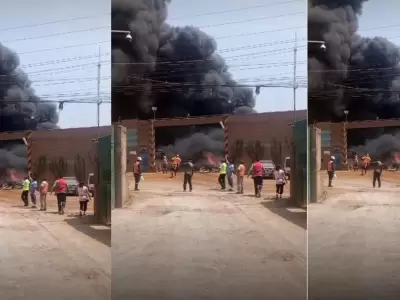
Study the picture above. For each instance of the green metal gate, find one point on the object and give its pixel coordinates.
(103, 201)
(300, 163)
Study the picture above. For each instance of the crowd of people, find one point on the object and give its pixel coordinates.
(31, 189)
(227, 173)
(365, 164)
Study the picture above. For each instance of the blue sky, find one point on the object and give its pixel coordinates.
(375, 16)
(69, 73)
(272, 59)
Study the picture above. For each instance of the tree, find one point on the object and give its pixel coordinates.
(58, 167)
(237, 151)
(255, 150)
(80, 168)
(40, 167)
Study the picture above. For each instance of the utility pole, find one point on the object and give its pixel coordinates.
(295, 85)
(98, 94)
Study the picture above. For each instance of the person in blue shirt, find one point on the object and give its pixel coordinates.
(32, 191)
(229, 174)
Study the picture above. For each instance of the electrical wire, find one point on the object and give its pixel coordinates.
(235, 10)
(54, 22)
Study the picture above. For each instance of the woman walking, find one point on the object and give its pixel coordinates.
(84, 197)
(280, 179)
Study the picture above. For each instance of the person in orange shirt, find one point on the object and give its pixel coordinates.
(240, 172)
(366, 162)
(176, 162)
(44, 189)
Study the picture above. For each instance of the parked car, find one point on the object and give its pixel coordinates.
(72, 186)
(269, 168)
(286, 167)
(90, 184)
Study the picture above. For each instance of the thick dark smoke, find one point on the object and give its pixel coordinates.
(383, 147)
(175, 69)
(20, 109)
(367, 67)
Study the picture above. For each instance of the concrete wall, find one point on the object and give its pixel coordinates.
(66, 143)
(269, 128)
(315, 188)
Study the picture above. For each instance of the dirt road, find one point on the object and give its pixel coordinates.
(207, 244)
(48, 256)
(354, 238)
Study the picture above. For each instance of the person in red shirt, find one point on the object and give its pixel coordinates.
(60, 188)
(257, 171)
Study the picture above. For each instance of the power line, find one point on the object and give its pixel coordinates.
(251, 20)
(54, 22)
(235, 10)
(55, 34)
(65, 47)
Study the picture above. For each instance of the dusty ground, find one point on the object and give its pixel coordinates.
(354, 238)
(207, 244)
(48, 256)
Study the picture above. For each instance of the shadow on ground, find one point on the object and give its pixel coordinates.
(87, 225)
(288, 211)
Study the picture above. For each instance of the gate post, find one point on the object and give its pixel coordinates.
(29, 152)
(343, 157)
(226, 138)
(152, 147)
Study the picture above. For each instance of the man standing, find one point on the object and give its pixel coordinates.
(32, 190)
(176, 161)
(222, 175)
(378, 169)
(25, 191)
(241, 170)
(229, 175)
(164, 164)
(366, 161)
(188, 175)
(331, 170)
(60, 187)
(137, 172)
(44, 188)
(257, 171)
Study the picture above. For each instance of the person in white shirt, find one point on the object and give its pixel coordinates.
(84, 198)
(280, 179)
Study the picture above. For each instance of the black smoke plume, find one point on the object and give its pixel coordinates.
(20, 109)
(175, 69)
(358, 74)
(384, 147)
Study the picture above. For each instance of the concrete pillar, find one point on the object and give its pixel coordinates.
(152, 146)
(314, 178)
(120, 159)
(343, 149)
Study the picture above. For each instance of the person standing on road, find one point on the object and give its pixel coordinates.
(44, 188)
(188, 175)
(257, 171)
(222, 174)
(60, 188)
(280, 180)
(164, 164)
(356, 162)
(229, 174)
(240, 172)
(331, 170)
(378, 169)
(176, 162)
(25, 191)
(366, 161)
(84, 198)
(32, 190)
(137, 172)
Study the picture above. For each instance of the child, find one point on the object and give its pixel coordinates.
(84, 197)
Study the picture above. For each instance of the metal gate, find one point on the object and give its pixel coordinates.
(299, 173)
(103, 201)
